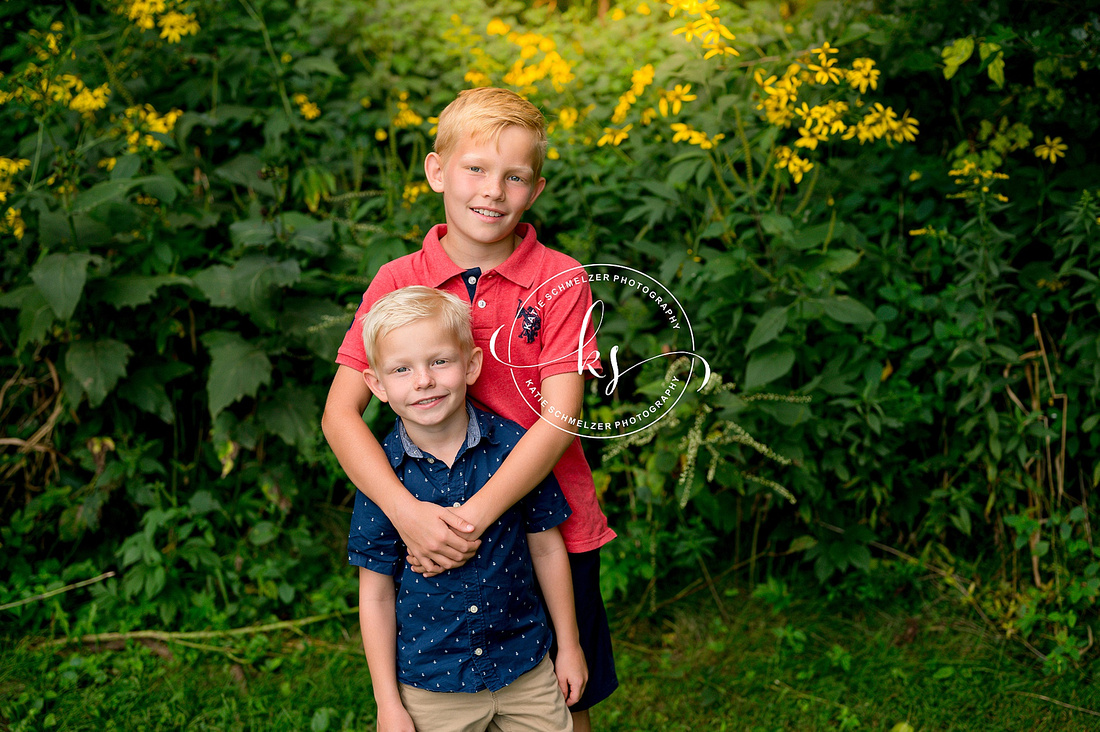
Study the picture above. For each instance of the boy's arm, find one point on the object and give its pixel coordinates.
(533, 457)
(552, 569)
(378, 625)
(428, 530)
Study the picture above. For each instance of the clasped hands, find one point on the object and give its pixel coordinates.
(437, 538)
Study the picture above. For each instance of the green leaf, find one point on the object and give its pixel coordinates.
(251, 233)
(768, 364)
(292, 414)
(263, 532)
(101, 193)
(844, 309)
(145, 388)
(840, 260)
(322, 64)
(97, 366)
(944, 672)
(129, 291)
(767, 329)
(996, 70)
(956, 55)
(126, 166)
(35, 314)
(60, 278)
(237, 369)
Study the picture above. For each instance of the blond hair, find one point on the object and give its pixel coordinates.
(410, 304)
(482, 114)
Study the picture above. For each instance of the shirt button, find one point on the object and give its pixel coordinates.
(472, 280)
(481, 303)
(457, 505)
(473, 608)
(478, 651)
(431, 460)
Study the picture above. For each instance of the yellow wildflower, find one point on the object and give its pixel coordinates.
(497, 27)
(553, 154)
(681, 132)
(286, 58)
(308, 109)
(915, 176)
(9, 166)
(1051, 149)
(863, 74)
(175, 25)
(612, 136)
(14, 223)
(641, 78)
(617, 14)
(381, 135)
(675, 99)
(477, 79)
(567, 117)
(643, 9)
(798, 167)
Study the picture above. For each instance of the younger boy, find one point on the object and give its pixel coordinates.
(487, 165)
(467, 649)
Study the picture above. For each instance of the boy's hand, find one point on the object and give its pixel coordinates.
(434, 537)
(572, 673)
(394, 719)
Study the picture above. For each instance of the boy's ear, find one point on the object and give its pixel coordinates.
(473, 365)
(375, 385)
(433, 171)
(535, 193)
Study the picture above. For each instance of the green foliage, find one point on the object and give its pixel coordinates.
(902, 325)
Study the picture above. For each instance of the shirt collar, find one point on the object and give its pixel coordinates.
(403, 445)
(519, 267)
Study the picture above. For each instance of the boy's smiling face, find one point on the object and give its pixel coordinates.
(487, 185)
(422, 373)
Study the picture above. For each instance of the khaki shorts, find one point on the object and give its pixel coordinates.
(531, 703)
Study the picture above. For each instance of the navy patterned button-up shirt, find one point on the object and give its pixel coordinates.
(481, 625)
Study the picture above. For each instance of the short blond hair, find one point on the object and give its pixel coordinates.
(482, 114)
(410, 304)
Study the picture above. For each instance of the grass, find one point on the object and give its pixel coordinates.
(721, 662)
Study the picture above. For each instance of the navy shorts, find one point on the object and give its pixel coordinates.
(594, 630)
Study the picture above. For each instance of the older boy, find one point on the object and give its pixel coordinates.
(487, 163)
(470, 645)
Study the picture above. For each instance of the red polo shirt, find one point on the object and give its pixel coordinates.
(539, 298)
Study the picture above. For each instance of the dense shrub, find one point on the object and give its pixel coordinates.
(878, 220)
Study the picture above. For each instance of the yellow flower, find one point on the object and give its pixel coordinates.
(863, 74)
(825, 73)
(914, 176)
(14, 223)
(681, 132)
(552, 154)
(617, 14)
(89, 100)
(798, 167)
(476, 78)
(175, 25)
(643, 9)
(286, 58)
(497, 27)
(612, 136)
(809, 138)
(1051, 149)
(567, 117)
(107, 164)
(9, 167)
(675, 98)
(381, 135)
